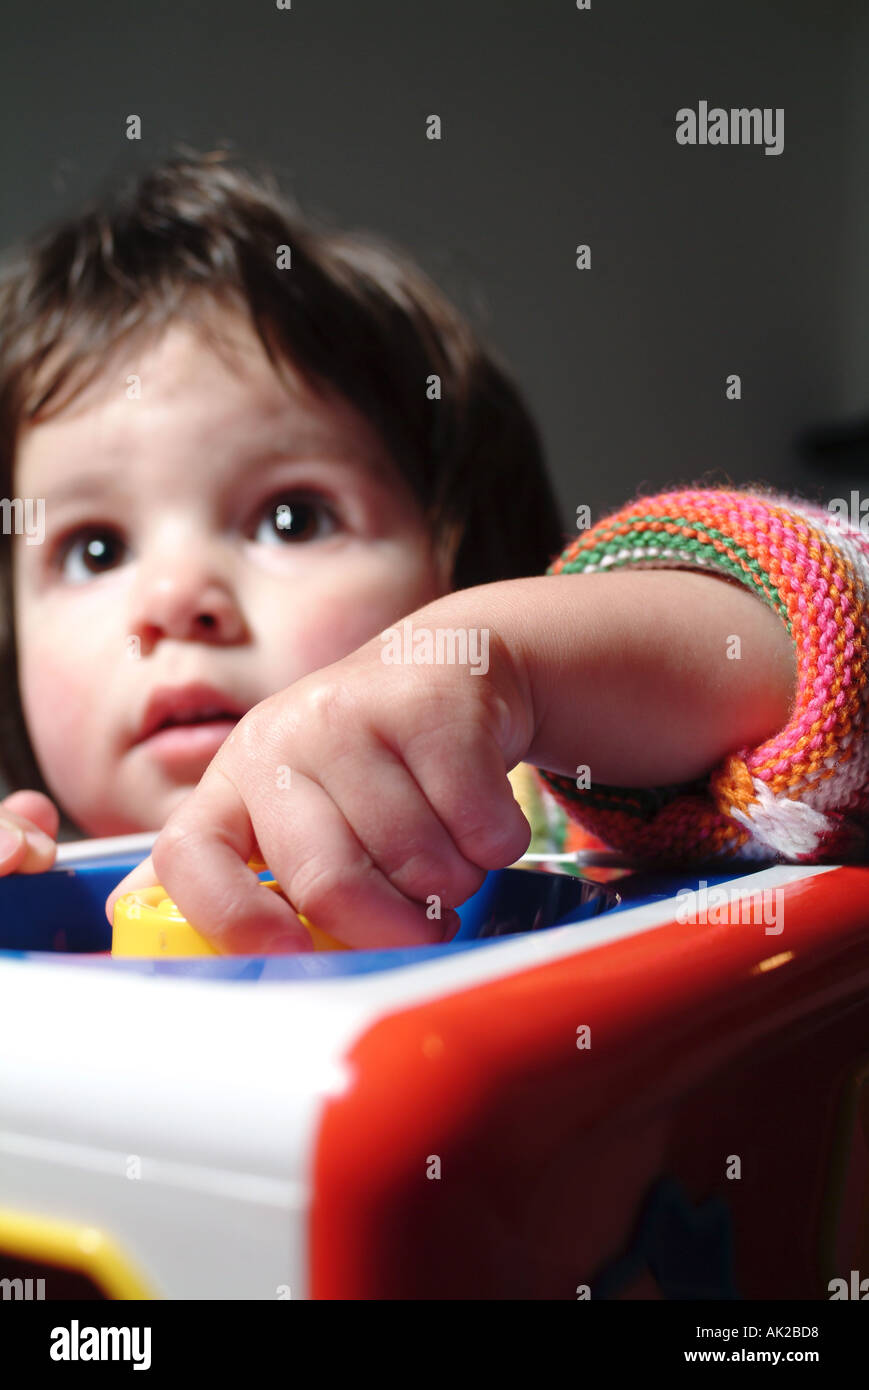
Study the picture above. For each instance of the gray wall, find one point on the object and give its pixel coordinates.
(559, 128)
(855, 214)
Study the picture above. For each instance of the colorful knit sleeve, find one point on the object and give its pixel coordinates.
(803, 795)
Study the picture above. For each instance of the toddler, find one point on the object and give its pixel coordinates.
(290, 605)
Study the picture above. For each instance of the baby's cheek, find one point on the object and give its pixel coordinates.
(58, 700)
(337, 628)
(335, 622)
(324, 634)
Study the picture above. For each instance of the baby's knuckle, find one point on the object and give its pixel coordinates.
(318, 880)
(493, 712)
(327, 702)
(453, 888)
(249, 736)
(416, 871)
(176, 841)
(484, 840)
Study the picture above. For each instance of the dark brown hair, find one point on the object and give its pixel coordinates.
(197, 232)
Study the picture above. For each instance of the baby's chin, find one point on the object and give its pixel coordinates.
(99, 824)
(166, 804)
(173, 799)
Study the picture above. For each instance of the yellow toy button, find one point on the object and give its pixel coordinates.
(147, 923)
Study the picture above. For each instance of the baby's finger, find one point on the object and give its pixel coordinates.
(24, 847)
(201, 859)
(397, 825)
(465, 782)
(143, 876)
(331, 879)
(35, 807)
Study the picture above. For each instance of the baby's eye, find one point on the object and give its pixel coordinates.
(291, 519)
(90, 552)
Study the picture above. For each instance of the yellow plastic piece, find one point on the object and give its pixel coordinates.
(84, 1249)
(147, 924)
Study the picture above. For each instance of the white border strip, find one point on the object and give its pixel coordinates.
(75, 851)
(111, 1163)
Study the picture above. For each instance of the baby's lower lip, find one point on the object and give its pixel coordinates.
(182, 743)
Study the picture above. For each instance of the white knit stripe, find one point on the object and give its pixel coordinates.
(778, 824)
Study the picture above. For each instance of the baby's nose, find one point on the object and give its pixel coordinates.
(187, 606)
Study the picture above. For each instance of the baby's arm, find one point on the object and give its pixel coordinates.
(643, 678)
(800, 791)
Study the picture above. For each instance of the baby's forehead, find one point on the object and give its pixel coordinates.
(186, 392)
(182, 362)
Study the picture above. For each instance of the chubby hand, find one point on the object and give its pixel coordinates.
(28, 833)
(374, 789)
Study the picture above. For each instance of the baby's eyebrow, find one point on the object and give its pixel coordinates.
(104, 486)
(83, 487)
(348, 456)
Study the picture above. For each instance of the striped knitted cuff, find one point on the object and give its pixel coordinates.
(804, 794)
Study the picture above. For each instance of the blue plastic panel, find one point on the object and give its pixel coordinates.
(59, 915)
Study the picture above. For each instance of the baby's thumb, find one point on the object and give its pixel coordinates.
(34, 807)
(25, 847)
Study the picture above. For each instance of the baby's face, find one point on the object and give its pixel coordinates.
(213, 532)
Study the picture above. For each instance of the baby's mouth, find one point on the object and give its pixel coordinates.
(196, 712)
(195, 721)
(184, 749)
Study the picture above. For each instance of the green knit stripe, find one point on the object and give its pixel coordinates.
(640, 802)
(676, 543)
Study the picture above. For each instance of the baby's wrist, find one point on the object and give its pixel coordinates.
(482, 634)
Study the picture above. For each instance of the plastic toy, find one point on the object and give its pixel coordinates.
(148, 923)
(614, 1090)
